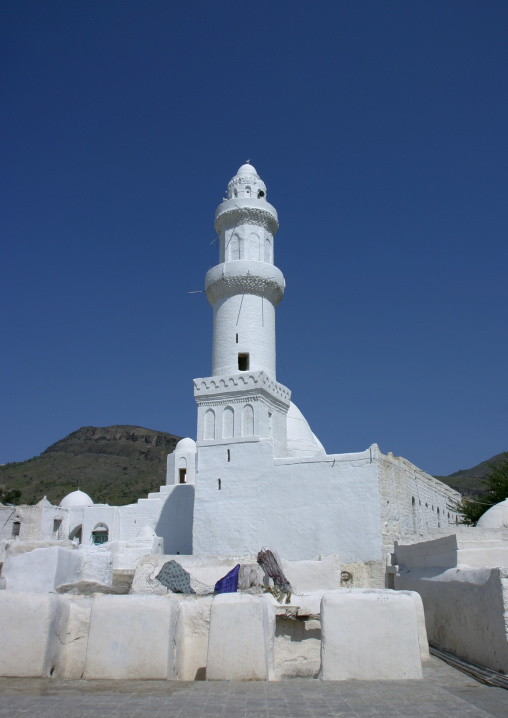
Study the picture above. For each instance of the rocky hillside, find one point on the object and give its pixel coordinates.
(114, 465)
(469, 481)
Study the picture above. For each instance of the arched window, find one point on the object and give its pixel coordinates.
(209, 430)
(247, 420)
(182, 470)
(228, 423)
(100, 534)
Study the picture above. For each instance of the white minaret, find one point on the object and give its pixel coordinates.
(242, 400)
(245, 288)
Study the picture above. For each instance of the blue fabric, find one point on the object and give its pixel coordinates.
(228, 584)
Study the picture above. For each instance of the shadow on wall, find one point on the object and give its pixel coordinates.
(175, 522)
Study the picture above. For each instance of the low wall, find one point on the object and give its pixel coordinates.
(466, 610)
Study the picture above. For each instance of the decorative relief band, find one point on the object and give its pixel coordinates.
(240, 382)
(229, 285)
(246, 215)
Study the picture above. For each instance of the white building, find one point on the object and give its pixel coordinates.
(256, 475)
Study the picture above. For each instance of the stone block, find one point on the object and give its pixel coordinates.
(70, 638)
(311, 576)
(97, 564)
(27, 624)
(131, 637)
(369, 636)
(41, 570)
(241, 638)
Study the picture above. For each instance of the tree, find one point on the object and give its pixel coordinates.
(9, 497)
(496, 482)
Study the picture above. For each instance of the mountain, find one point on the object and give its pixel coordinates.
(114, 464)
(469, 481)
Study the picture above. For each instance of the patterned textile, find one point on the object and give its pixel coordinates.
(228, 584)
(174, 577)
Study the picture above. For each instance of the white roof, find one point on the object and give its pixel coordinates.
(496, 517)
(186, 444)
(247, 170)
(76, 498)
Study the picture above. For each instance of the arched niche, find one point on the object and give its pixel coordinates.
(228, 423)
(247, 420)
(234, 248)
(254, 247)
(209, 427)
(76, 533)
(268, 250)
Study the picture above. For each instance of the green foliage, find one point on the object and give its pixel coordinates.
(11, 496)
(496, 490)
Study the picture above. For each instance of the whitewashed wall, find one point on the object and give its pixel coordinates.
(463, 582)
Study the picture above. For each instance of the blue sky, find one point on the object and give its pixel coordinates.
(380, 129)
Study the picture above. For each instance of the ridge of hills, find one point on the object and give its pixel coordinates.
(120, 464)
(469, 481)
(116, 465)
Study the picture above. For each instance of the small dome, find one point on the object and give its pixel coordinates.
(186, 444)
(301, 440)
(247, 170)
(496, 517)
(76, 498)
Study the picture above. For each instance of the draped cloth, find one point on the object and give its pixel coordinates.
(175, 577)
(229, 583)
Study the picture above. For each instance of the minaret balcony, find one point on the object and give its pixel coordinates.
(235, 212)
(245, 277)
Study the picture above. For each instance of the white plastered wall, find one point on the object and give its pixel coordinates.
(301, 507)
(252, 318)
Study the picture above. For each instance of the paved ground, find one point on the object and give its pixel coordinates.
(443, 692)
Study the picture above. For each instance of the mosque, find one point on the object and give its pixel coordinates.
(256, 474)
(83, 584)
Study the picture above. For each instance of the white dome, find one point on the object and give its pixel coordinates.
(76, 498)
(247, 170)
(496, 517)
(186, 444)
(301, 440)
